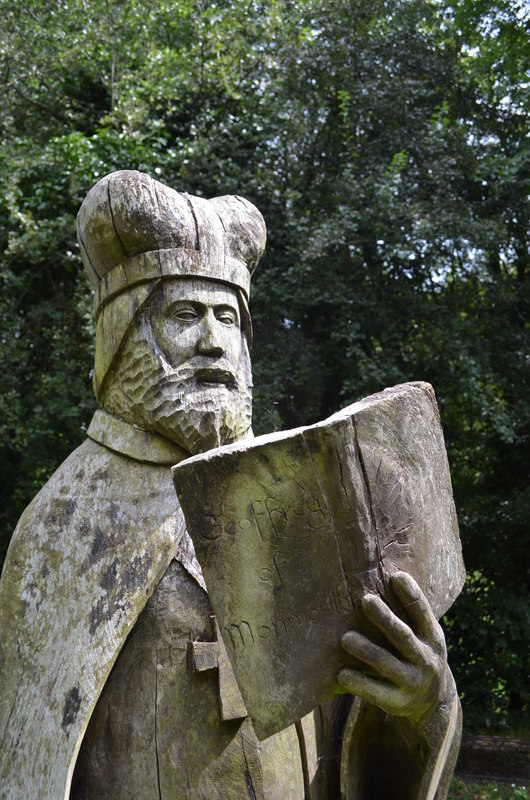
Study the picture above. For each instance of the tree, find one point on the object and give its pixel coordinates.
(385, 144)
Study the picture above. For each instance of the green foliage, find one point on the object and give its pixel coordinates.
(488, 650)
(460, 790)
(385, 143)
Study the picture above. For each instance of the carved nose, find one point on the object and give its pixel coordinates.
(210, 342)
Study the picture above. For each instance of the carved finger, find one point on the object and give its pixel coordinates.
(377, 658)
(418, 610)
(383, 695)
(397, 632)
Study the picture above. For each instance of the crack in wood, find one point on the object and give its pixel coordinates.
(331, 517)
(371, 501)
(197, 240)
(6, 729)
(156, 731)
(248, 777)
(111, 213)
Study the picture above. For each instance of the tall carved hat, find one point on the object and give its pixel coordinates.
(134, 232)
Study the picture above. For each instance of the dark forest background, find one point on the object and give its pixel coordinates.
(386, 144)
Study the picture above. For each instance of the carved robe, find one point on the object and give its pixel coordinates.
(101, 606)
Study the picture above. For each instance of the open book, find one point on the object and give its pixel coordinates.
(291, 528)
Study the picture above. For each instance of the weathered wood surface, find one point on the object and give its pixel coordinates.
(292, 528)
(165, 725)
(134, 231)
(85, 557)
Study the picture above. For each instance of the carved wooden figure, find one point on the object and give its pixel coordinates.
(115, 681)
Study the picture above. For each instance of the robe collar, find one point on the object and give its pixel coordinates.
(133, 442)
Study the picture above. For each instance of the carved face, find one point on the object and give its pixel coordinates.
(198, 322)
(184, 370)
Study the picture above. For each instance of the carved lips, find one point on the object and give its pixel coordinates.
(215, 375)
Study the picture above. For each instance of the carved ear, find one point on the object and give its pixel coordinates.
(245, 228)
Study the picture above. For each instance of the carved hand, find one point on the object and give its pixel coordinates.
(408, 678)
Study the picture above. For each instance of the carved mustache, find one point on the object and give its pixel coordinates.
(205, 370)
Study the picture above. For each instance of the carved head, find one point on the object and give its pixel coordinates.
(171, 276)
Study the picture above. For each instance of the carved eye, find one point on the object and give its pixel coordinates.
(226, 317)
(185, 315)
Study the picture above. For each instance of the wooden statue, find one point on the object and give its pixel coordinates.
(115, 680)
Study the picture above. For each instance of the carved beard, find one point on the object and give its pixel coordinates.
(146, 390)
